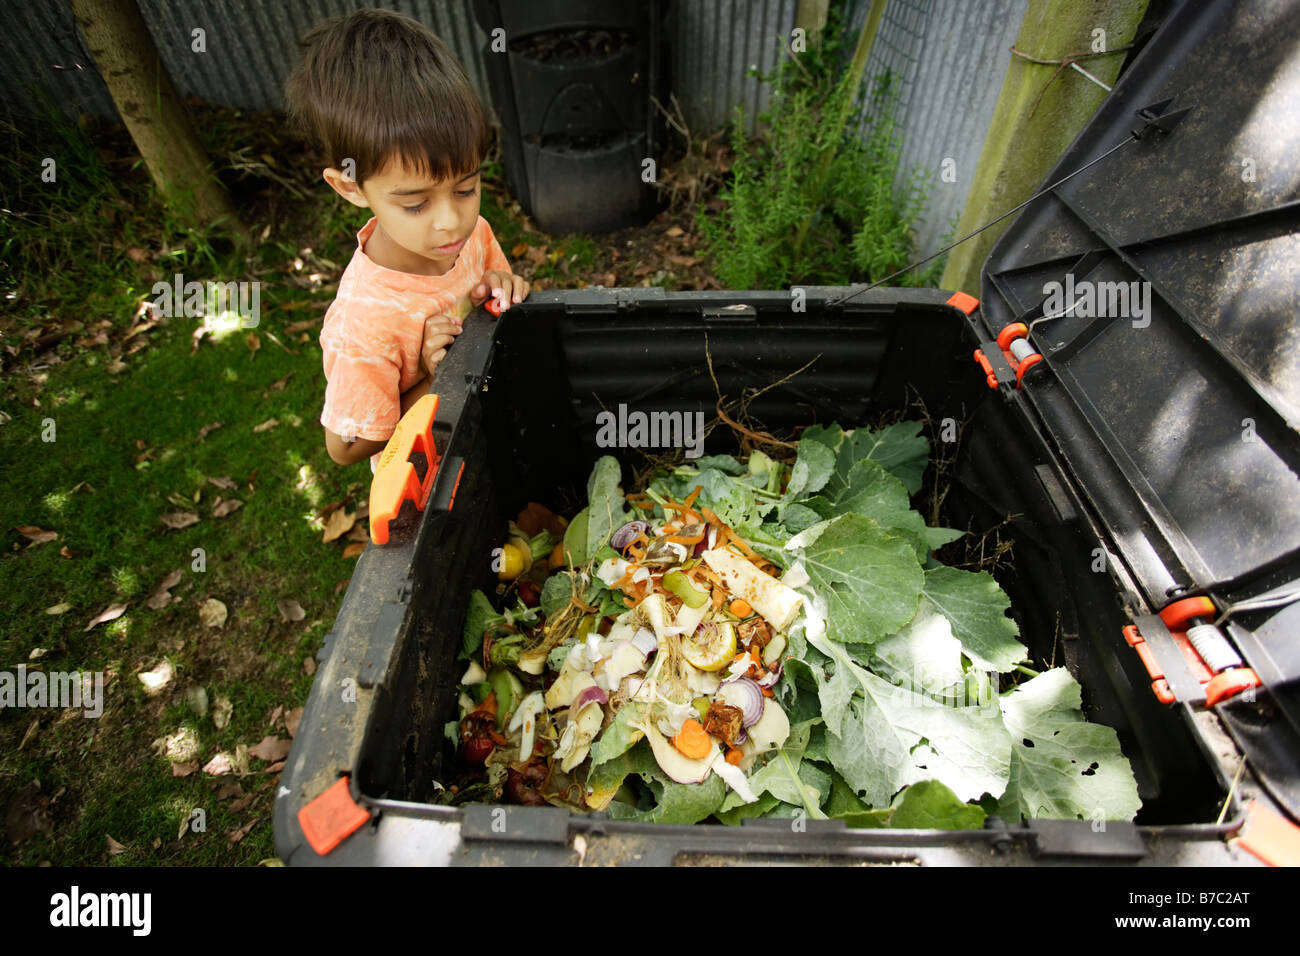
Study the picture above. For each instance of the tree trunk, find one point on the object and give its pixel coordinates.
(126, 57)
(1019, 149)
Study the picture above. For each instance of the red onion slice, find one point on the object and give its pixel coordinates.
(585, 697)
(625, 534)
(745, 694)
(771, 677)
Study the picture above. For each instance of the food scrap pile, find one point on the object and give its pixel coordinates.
(753, 637)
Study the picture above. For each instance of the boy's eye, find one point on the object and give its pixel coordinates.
(415, 209)
(466, 193)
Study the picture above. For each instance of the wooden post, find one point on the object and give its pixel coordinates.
(1020, 149)
(126, 57)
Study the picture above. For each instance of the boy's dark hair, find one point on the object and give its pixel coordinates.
(378, 86)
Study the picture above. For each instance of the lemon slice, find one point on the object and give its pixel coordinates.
(712, 646)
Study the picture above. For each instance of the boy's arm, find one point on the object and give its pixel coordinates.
(349, 453)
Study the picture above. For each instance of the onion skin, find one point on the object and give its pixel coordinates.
(586, 696)
(624, 536)
(745, 694)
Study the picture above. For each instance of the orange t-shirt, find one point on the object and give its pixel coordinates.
(372, 331)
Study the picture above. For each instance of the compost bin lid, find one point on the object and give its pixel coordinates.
(1178, 415)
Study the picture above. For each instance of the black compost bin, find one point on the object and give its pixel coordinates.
(573, 86)
(1142, 456)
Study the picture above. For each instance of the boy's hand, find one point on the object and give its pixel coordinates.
(439, 332)
(506, 288)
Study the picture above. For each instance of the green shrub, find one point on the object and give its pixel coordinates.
(811, 201)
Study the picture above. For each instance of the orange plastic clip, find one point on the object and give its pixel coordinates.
(396, 479)
(961, 300)
(1229, 683)
(1270, 836)
(990, 376)
(331, 818)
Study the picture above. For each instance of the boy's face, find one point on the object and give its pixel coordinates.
(423, 222)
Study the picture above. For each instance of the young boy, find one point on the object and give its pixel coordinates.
(405, 137)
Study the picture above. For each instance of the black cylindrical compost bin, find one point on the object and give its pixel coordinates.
(573, 85)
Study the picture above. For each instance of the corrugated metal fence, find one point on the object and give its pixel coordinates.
(949, 57)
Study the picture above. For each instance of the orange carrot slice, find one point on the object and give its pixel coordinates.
(691, 741)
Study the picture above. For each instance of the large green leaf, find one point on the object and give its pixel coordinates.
(872, 491)
(785, 776)
(606, 508)
(1063, 767)
(976, 607)
(812, 469)
(480, 615)
(924, 655)
(882, 737)
(871, 582)
(899, 449)
(676, 802)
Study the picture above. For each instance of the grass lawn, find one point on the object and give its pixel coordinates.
(131, 444)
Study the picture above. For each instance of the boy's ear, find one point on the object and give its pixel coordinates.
(346, 187)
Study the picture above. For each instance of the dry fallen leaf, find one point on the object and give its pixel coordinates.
(223, 482)
(291, 721)
(277, 385)
(290, 610)
(61, 608)
(114, 848)
(237, 835)
(36, 535)
(184, 769)
(309, 666)
(674, 231)
(253, 342)
(360, 532)
(224, 506)
(136, 254)
(110, 613)
(221, 712)
(204, 431)
(179, 519)
(270, 749)
(115, 367)
(340, 522)
(31, 732)
(242, 803)
(228, 789)
(266, 425)
(275, 767)
(212, 613)
(155, 681)
(293, 328)
(218, 765)
(354, 549)
(37, 653)
(66, 552)
(160, 597)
